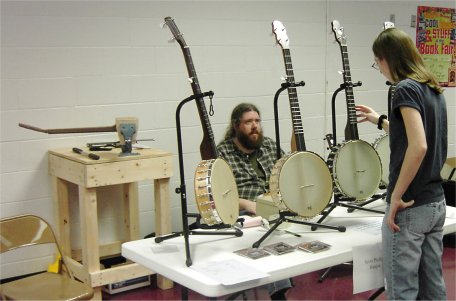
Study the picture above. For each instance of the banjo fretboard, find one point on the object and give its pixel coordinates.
(352, 123)
(208, 149)
(282, 39)
(351, 129)
(294, 103)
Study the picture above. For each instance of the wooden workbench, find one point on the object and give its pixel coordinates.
(68, 168)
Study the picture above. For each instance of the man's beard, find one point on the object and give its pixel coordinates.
(249, 143)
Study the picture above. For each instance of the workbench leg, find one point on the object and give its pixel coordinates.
(62, 214)
(89, 233)
(131, 210)
(162, 220)
(162, 208)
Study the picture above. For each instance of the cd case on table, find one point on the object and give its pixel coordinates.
(279, 248)
(313, 246)
(253, 253)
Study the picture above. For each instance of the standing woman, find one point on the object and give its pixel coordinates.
(412, 227)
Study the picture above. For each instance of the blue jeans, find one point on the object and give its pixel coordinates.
(412, 258)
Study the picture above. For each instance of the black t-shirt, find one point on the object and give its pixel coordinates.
(426, 187)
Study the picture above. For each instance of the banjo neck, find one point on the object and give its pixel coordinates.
(282, 39)
(351, 129)
(294, 104)
(391, 91)
(208, 149)
(392, 87)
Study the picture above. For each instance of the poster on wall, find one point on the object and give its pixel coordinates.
(436, 39)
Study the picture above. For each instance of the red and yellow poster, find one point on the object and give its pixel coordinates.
(436, 40)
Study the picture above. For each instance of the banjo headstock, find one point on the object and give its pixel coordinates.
(280, 34)
(339, 32)
(388, 24)
(178, 36)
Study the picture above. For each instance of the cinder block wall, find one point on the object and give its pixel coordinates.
(84, 63)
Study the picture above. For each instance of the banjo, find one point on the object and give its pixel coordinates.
(300, 181)
(355, 165)
(216, 192)
(381, 144)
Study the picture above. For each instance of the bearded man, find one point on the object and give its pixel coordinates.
(250, 155)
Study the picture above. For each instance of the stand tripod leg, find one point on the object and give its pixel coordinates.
(353, 207)
(236, 233)
(184, 293)
(323, 276)
(159, 239)
(372, 199)
(324, 215)
(257, 243)
(315, 225)
(377, 293)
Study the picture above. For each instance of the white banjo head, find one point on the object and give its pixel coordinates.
(381, 145)
(357, 169)
(216, 191)
(304, 182)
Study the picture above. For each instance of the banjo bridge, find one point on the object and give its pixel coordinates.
(307, 186)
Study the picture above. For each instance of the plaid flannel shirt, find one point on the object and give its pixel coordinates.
(248, 183)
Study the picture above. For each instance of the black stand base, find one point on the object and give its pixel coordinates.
(351, 207)
(372, 199)
(183, 193)
(187, 232)
(236, 232)
(284, 217)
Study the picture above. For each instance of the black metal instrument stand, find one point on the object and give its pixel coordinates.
(284, 216)
(182, 190)
(332, 142)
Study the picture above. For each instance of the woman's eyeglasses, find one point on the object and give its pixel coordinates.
(375, 66)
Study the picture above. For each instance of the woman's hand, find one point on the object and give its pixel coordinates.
(367, 114)
(395, 206)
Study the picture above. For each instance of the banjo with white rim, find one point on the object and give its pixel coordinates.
(300, 182)
(355, 165)
(216, 191)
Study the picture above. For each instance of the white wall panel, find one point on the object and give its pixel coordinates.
(84, 63)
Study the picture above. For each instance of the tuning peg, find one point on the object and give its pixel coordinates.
(340, 72)
(190, 79)
(172, 39)
(162, 24)
(284, 78)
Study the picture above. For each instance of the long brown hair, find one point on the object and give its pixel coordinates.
(404, 60)
(236, 116)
